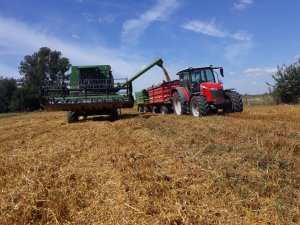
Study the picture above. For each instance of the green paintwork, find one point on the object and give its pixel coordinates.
(76, 77)
(105, 72)
(157, 62)
(142, 96)
(93, 97)
(93, 88)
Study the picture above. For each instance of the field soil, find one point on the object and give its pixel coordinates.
(241, 168)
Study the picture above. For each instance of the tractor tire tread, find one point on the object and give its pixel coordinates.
(236, 100)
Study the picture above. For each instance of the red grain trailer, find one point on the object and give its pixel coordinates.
(157, 98)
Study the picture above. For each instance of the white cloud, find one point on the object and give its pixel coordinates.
(237, 50)
(76, 36)
(211, 29)
(249, 72)
(208, 28)
(242, 4)
(88, 16)
(107, 19)
(123, 64)
(242, 36)
(297, 57)
(92, 17)
(133, 28)
(33, 38)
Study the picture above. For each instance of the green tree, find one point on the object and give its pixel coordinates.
(7, 88)
(24, 100)
(44, 67)
(287, 83)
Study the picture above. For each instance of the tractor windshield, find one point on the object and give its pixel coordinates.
(203, 75)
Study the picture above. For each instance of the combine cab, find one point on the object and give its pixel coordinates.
(92, 90)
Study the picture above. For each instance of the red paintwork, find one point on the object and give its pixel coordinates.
(205, 89)
(163, 92)
(186, 94)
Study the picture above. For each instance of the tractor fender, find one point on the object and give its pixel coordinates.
(184, 96)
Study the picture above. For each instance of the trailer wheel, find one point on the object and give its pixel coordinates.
(140, 109)
(146, 109)
(164, 110)
(113, 115)
(199, 106)
(236, 102)
(72, 116)
(178, 104)
(154, 109)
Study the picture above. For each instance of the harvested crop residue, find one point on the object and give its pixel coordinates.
(240, 168)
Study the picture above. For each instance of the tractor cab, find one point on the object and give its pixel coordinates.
(203, 80)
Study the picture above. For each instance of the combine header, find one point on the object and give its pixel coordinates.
(92, 90)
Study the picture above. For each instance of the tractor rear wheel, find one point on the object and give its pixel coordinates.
(236, 102)
(199, 106)
(178, 104)
(113, 115)
(164, 110)
(72, 116)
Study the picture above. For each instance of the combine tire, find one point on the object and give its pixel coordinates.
(164, 110)
(199, 106)
(113, 115)
(72, 116)
(236, 102)
(178, 104)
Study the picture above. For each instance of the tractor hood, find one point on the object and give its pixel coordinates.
(210, 85)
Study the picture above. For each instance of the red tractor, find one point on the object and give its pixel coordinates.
(200, 94)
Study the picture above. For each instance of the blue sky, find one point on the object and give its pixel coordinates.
(249, 38)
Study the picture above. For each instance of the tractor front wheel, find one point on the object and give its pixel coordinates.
(236, 102)
(199, 106)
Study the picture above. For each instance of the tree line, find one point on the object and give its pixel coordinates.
(44, 67)
(47, 67)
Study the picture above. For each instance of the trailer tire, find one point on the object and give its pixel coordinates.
(146, 109)
(199, 106)
(236, 102)
(113, 115)
(140, 109)
(154, 109)
(72, 116)
(178, 104)
(164, 110)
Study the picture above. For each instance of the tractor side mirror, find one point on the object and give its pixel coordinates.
(222, 72)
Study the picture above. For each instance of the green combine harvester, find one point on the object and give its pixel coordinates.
(92, 90)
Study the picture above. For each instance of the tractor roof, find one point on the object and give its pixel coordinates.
(198, 68)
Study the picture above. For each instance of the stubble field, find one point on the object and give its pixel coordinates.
(240, 168)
